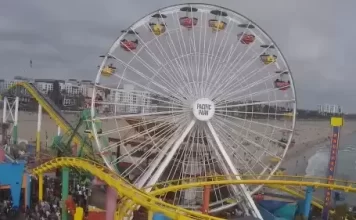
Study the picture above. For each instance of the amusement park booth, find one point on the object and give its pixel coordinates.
(15, 182)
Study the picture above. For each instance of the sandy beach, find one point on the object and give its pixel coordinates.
(308, 135)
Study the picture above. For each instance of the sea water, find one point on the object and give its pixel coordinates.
(346, 163)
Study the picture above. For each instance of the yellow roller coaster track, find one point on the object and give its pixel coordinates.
(288, 184)
(149, 200)
(54, 115)
(124, 188)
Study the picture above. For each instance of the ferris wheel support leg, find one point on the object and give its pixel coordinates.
(141, 182)
(234, 187)
(170, 155)
(234, 171)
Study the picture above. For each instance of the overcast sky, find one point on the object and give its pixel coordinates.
(64, 39)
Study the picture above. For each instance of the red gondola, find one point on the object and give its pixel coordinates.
(282, 85)
(188, 21)
(129, 44)
(246, 38)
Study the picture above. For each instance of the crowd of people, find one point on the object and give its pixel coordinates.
(51, 206)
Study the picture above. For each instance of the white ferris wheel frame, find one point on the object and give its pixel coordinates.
(176, 141)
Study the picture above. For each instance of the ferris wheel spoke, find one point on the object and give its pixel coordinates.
(164, 148)
(220, 70)
(226, 125)
(174, 51)
(228, 134)
(133, 134)
(235, 155)
(176, 68)
(175, 72)
(256, 103)
(228, 68)
(141, 124)
(139, 73)
(214, 62)
(230, 81)
(143, 96)
(226, 157)
(147, 48)
(244, 97)
(157, 174)
(161, 142)
(139, 115)
(253, 122)
(141, 106)
(232, 90)
(183, 50)
(236, 192)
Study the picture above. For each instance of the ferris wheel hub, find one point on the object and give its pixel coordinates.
(203, 109)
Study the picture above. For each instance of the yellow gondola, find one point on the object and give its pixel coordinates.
(157, 26)
(107, 71)
(274, 159)
(217, 25)
(268, 58)
(158, 29)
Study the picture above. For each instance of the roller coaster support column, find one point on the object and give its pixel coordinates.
(16, 118)
(111, 202)
(40, 187)
(336, 123)
(59, 131)
(308, 200)
(206, 199)
(38, 134)
(65, 190)
(4, 122)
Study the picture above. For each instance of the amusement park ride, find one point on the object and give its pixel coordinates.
(195, 140)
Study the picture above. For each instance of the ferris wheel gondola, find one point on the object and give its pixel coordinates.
(246, 37)
(267, 57)
(130, 42)
(193, 102)
(188, 21)
(157, 25)
(109, 69)
(282, 83)
(218, 23)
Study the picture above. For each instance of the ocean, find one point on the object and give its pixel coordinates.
(345, 168)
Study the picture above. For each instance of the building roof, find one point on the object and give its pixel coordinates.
(48, 80)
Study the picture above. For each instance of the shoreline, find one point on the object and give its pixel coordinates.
(296, 160)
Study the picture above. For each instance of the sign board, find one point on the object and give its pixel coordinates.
(203, 109)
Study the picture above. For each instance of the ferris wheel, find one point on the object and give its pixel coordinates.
(195, 90)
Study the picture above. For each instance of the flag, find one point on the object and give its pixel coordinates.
(30, 63)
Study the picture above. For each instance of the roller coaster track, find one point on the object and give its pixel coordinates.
(124, 188)
(55, 113)
(149, 200)
(288, 184)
